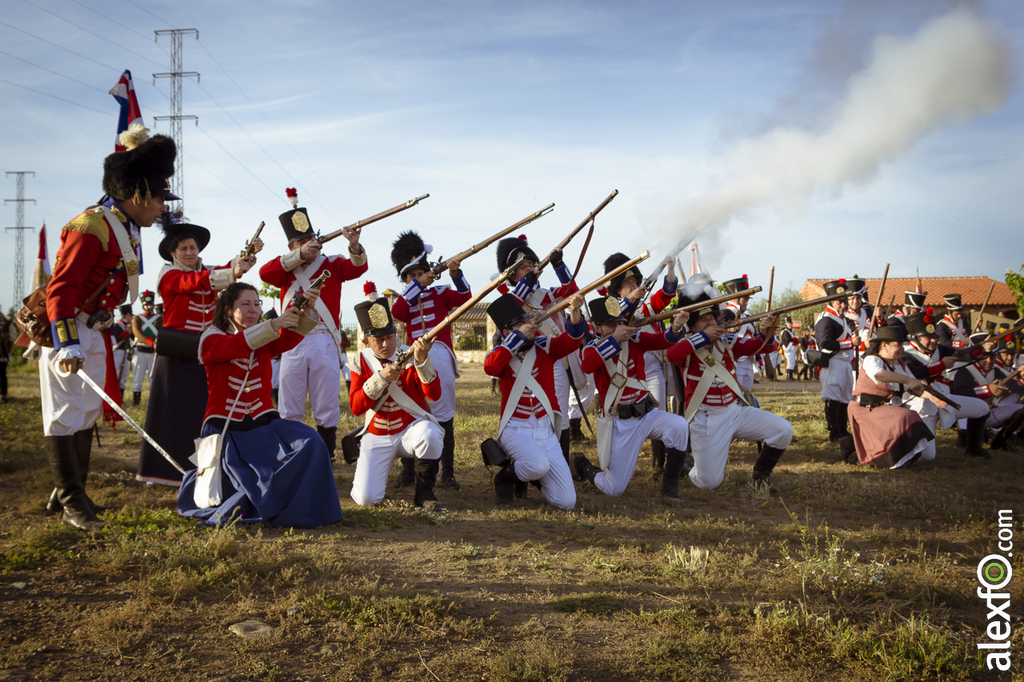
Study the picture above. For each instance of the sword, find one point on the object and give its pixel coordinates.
(131, 422)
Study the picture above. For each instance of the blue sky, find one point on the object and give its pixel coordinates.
(497, 109)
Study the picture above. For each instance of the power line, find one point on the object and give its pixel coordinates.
(66, 101)
(80, 27)
(21, 30)
(176, 117)
(127, 28)
(55, 73)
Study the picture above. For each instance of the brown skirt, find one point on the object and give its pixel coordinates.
(884, 435)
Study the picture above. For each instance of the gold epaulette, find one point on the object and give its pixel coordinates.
(91, 222)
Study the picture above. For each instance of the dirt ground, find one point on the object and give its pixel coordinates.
(527, 592)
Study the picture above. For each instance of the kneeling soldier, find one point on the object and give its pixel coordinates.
(525, 364)
(394, 400)
(715, 407)
(630, 412)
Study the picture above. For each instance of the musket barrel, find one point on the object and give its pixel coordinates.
(588, 219)
(542, 315)
(785, 309)
(441, 267)
(666, 314)
(358, 225)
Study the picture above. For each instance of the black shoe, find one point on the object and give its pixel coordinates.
(764, 482)
(82, 520)
(848, 450)
(976, 438)
(581, 468)
(674, 463)
(505, 484)
(765, 464)
(136, 398)
(426, 474)
(447, 462)
(450, 484)
(329, 435)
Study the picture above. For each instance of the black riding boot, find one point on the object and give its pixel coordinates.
(657, 455)
(448, 457)
(426, 475)
(581, 468)
(329, 434)
(505, 484)
(1002, 441)
(408, 475)
(563, 442)
(576, 430)
(976, 438)
(70, 483)
(83, 448)
(674, 464)
(764, 466)
(136, 398)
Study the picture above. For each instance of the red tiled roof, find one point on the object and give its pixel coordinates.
(972, 290)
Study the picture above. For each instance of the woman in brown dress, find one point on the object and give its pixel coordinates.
(887, 435)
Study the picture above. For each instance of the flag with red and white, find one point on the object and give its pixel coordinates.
(41, 273)
(124, 93)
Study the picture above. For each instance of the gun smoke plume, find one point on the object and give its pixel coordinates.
(955, 68)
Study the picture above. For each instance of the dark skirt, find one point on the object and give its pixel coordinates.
(884, 435)
(279, 474)
(174, 418)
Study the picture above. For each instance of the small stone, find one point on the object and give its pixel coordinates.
(327, 649)
(46, 649)
(294, 610)
(251, 629)
(359, 627)
(108, 651)
(19, 586)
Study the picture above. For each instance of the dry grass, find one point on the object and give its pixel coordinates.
(850, 574)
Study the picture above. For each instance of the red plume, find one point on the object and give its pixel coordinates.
(523, 237)
(842, 281)
(293, 196)
(744, 276)
(603, 291)
(368, 286)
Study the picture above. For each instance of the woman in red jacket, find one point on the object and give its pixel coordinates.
(177, 386)
(274, 470)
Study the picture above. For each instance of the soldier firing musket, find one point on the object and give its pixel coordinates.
(313, 367)
(667, 314)
(785, 309)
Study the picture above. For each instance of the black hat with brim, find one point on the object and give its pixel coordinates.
(914, 299)
(737, 285)
(174, 233)
(920, 324)
(374, 318)
(891, 332)
(296, 224)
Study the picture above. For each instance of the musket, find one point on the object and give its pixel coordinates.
(996, 335)
(739, 322)
(539, 316)
(664, 315)
(302, 302)
(878, 302)
(442, 264)
(888, 308)
(981, 315)
(131, 422)
(588, 219)
(360, 224)
(250, 250)
(1005, 380)
(935, 394)
(405, 355)
(769, 368)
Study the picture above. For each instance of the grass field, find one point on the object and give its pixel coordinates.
(849, 574)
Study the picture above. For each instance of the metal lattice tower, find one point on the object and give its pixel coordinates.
(19, 242)
(176, 74)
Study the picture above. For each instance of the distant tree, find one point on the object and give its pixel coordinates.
(1015, 280)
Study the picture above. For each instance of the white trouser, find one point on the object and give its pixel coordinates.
(275, 372)
(655, 372)
(587, 392)
(745, 373)
(311, 368)
(422, 439)
(346, 373)
(69, 406)
(532, 445)
(562, 390)
(123, 368)
(628, 436)
(1002, 414)
(970, 408)
(837, 381)
(791, 358)
(142, 368)
(443, 360)
(714, 427)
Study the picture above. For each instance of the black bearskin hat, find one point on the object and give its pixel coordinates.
(509, 250)
(409, 251)
(506, 311)
(141, 172)
(615, 260)
(174, 232)
(375, 319)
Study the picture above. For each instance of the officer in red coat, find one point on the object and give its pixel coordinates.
(97, 263)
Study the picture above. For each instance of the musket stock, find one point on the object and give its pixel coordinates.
(540, 315)
(358, 225)
(878, 302)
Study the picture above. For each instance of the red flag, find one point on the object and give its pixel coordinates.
(41, 273)
(919, 289)
(124, 93)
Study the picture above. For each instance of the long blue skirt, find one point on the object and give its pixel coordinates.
(279, 474)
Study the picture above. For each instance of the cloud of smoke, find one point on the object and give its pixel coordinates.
(953, 69)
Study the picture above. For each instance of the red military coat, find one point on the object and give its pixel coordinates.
(549, 349)
(598, 350)
(427, 310)
(719, 393)
(226, 358)
(190, 295)
(87, 256)
(390, 418)
(277, 273)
